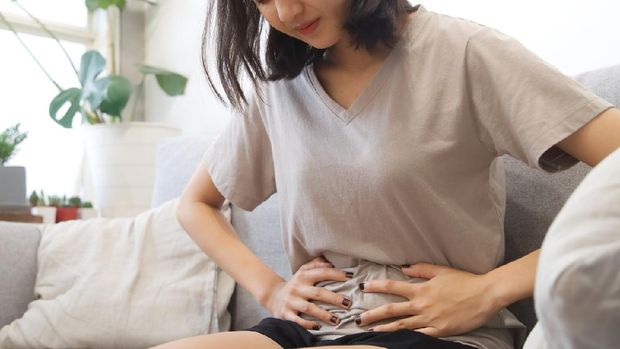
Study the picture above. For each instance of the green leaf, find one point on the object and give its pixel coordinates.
(94, 93)
(172, 83)
(104, 4)
(91, 66)
(71, 96)
(117, 94)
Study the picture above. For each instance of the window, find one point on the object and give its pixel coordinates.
(51, 154)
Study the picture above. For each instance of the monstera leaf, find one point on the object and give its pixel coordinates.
(172, 83)
(70, 96)
(108, 95)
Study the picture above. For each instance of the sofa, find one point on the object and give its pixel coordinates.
(533, 200)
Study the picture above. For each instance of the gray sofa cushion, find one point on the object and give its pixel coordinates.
(260, 231)
(175, 161)
(18, 268)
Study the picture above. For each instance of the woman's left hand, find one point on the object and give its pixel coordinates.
(452, 302)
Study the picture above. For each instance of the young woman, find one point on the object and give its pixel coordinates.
(380, 125)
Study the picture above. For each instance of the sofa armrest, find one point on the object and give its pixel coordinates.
(19, 243)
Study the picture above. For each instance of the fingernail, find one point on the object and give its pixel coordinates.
(349, 274)
(346, 302)
(358, 320)
(316, 327)
(405, 265)
(371, 330)
(362, 286)
(335, 320)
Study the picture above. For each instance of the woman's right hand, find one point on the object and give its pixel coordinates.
(290, 298)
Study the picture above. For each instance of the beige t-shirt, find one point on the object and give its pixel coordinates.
(410, 172)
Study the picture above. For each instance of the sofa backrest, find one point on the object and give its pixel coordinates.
(533, 200)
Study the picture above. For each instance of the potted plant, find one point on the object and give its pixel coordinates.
(120, 154)
(39, 207)
(87, 211)
(66, 210)
(12, 178)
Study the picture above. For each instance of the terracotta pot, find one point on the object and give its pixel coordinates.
(66, 214)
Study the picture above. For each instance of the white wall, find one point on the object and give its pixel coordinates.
(574, 36)
(173, 39)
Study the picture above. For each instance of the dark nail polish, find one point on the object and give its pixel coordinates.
(349, 274)
(358, 320)
(346, 302)
(362, 286)
(335, 320)
(316, 327)
(405, 265)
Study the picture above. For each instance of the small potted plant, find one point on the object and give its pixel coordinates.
(68, 209)
(39, 207)
(13, 178)
(87, 211)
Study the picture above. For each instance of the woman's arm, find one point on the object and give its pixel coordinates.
(198, 213)
(597, 139)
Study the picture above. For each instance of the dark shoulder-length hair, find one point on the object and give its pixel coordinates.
(235, 27)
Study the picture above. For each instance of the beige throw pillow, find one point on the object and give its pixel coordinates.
(121, 283)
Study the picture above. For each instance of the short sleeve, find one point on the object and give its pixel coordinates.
(240, 160)
(524, 106)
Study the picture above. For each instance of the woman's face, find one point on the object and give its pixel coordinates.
(319, 23)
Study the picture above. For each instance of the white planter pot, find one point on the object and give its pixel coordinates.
(48, 213)
(87, 213)
(13, 189)
(122, 162)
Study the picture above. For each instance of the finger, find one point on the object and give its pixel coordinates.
(323, 295)
(315, 311)
(386, 311)
(313, 276)
(411, 323)
(307, 324)
(397, 287)
(315, 265)
(314, 261)
(424, 270)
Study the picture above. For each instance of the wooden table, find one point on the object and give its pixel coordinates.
(20, 217)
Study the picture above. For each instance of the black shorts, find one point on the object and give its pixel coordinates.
(289, 334)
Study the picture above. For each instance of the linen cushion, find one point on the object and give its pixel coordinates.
(121, 282)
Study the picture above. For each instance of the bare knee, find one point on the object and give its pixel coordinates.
(229, 340)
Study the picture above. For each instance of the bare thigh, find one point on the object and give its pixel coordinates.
(239, 340)
(228, 340)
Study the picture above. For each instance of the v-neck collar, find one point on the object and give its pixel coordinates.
(377, 81)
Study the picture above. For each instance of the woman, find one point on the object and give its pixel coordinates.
(380, 126)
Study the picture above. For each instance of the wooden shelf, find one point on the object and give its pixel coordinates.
(20, 217)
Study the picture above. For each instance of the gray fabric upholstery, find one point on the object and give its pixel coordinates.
(18, 268)
(260, 230)
(175, 161)
(534, 198)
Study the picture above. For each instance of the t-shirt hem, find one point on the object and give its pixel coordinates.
(562, 129)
